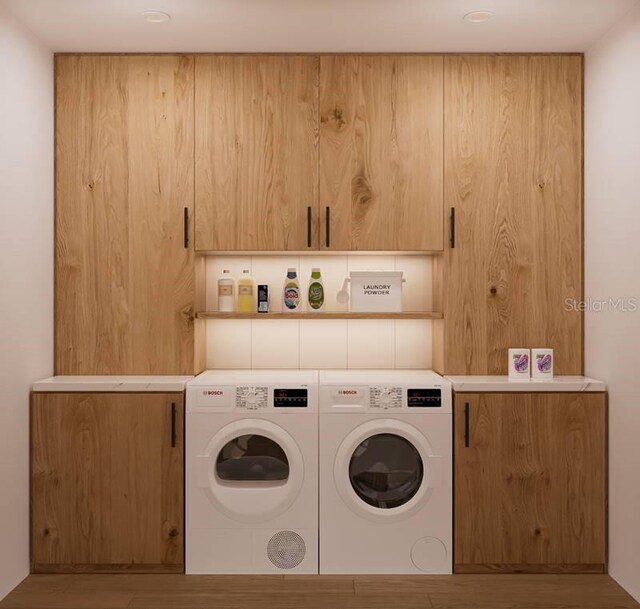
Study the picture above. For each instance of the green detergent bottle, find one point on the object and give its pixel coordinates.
(315, 294)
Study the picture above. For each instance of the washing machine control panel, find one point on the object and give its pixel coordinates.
(290, 398)
(385, 397)
(252, 398)
(424, 398)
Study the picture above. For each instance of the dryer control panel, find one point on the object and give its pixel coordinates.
(384, 392)
(385, 397)
(424, 398)
(252, 398)
(290, 398)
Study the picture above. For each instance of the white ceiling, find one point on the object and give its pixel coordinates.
(319, 25)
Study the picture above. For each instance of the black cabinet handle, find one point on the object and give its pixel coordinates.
(174, 437)
(309, 226)
(466, 424)
(327, 225)
(452, 228)
(185, 227)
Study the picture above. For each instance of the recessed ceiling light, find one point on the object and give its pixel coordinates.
(156, 16)
(478, 16)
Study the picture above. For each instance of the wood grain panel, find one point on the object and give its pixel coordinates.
(513, 173)
(256, 151)
(124, 174)
(530, 489)
(106, 483)
(381, 130)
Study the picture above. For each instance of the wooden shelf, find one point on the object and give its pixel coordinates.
(332, 315)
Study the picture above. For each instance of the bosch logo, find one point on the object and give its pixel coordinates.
(213, 392)
(347, 392)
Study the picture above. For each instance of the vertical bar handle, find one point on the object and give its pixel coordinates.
(174, 437)
(185, 227)
(467, 416)
(327, 226)
(309, 226)
(452, 228)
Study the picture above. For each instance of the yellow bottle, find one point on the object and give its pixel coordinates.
(246, 294)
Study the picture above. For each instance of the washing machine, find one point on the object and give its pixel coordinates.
(252, 472)
(385, 472)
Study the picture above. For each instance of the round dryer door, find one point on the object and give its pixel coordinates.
(252, 470)
(252, 457)
(385, 469)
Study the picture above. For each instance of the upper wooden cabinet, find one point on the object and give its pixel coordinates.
(378, 162)
(381, 133)
(256, 152)
(513, 174)
(124, 294)
(530, 482)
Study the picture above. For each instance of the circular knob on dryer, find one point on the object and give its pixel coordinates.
(251, 398)
(385, 398)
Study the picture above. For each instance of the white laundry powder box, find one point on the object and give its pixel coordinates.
(542, 363)
(519, 363)
(376, 291)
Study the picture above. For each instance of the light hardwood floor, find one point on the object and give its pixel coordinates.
(318, 592)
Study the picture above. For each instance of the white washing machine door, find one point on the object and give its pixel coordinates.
(252, 470)
(385, 470)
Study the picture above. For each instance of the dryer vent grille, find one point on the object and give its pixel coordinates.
(286, 549)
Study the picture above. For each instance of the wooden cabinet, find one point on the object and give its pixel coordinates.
(513, 174)
(107, 482)
(301, 152)
(381, 134)
(530, 482)
(256, 158)
(124, 290)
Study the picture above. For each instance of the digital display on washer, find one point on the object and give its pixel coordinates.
(424, 398)
(290, 398)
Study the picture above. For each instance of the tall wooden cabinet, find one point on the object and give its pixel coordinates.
(530, 482)
(125, 273)
(256, 155)
(107, 482)
(513, 178)
(381, 137)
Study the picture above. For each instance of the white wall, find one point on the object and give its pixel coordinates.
(612, 270)
(26, 272)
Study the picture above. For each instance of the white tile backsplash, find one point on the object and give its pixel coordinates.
(323, 343)
(274, 343)
(309, 343)
(371, 263)
(228, 343)
(417, 289)
(413, 343)
(371, 343)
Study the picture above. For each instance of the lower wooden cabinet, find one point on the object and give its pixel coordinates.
(530, 482)
(107, 482)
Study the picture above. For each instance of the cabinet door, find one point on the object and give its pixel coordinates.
(124, 177)
(381, 130)
(513, 173)
(530, 490)
(107, 482)
(256, 152)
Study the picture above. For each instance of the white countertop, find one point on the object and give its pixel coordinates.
(475, 384)
(112, 383)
